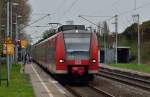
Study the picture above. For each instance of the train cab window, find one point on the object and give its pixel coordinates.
(77, 45)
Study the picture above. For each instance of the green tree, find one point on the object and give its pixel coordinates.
(23, 9)
(131, 36)
(49, 33)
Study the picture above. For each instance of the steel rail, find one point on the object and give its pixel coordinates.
(127, 80)
(106, 94)
(125, 76)
(73, 91)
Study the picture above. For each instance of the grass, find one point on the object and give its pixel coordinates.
(141, 67)
(19, 84)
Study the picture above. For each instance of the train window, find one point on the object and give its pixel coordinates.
(77, 45)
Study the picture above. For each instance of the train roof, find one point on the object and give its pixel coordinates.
(67, 29)
(71, 27)
(76, 31)
(45, 39)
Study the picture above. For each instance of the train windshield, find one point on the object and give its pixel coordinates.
(77, 45)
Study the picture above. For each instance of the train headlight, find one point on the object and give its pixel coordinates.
(61, 61)
(93, 60)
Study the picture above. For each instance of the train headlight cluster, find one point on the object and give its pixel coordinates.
(61, 61)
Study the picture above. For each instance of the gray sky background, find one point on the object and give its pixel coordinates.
(64, 10)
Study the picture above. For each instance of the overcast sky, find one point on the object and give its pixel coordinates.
(64, 10)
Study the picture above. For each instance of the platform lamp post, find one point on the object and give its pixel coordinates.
(11, 23)
(16, 33)
(16, 37)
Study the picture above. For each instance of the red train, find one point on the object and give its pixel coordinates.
(70, 54)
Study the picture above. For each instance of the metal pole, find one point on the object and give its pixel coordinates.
(105, 37)
(10, 20)
(16, 36)
(138, 28)
(139, 44)
(137, 20)
(11, 57)
(7, 33)
(116, 34)
(104, 41)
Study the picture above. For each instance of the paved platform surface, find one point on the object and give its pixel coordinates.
(43, 84)
(125, 70)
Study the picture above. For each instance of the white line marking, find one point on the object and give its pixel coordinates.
(47, 90)
(53, 81)
(60, 90)
(56, 85)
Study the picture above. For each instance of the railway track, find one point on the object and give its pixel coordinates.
(126, 78)
(81, 91)
(88, 91)
(76, 94)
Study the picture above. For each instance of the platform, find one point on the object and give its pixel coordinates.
(43, 84)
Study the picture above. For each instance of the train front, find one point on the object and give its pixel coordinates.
(81, 54)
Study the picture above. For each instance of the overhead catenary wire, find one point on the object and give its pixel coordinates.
(59, 6)
(88, 20)
(39, 19)
(39, 26)
(128, 11)
(82, 16)
(69, 8)
(95, 16)
(135, 8)
(39, 13)
(115, 2)
(144, 5)
(57, 9)
(125, 23)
